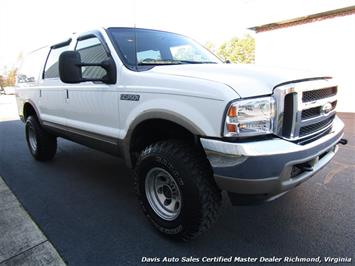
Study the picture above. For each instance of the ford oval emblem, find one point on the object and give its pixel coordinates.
(326, 108)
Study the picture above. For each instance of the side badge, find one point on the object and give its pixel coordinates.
(130, 97)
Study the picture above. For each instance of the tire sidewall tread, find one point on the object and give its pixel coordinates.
(201, 199)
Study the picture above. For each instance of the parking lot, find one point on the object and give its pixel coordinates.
(84, 203)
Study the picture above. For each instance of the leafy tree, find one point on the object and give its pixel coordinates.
(238, 50)
(2, 82)
(11, 77)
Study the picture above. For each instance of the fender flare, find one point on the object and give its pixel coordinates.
(29, 101)
(156, 114)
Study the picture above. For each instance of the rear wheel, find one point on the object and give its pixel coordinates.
(176, 190)
(42, 145)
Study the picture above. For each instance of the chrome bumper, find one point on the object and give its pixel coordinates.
(267, 167)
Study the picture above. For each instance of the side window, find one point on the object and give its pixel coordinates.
(31, 67)
(51, 69)
(92, 51)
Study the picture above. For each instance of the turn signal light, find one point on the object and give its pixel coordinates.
(232, 112)
(231, 127)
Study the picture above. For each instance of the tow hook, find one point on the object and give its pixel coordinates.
(343, 141)
(305, 167)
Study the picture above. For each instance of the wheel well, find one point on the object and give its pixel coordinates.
(28, 110)
(154, 130)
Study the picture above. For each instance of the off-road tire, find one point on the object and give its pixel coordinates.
(189, 167)
(46, 144)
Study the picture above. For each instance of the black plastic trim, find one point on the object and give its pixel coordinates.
(99, 142)
(288, 115)
(61, 44)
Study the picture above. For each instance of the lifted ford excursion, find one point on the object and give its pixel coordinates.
(188, 124)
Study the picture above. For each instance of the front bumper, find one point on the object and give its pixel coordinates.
(269, 168)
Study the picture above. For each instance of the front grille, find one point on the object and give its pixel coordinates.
(312, 112)
(315, 111)
(314, 137)
(307, 130)
(305, 112)
(314, 95)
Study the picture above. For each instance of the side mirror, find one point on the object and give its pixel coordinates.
(70, 68)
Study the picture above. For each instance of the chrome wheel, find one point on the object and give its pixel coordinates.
(163, 193)
(32, 138)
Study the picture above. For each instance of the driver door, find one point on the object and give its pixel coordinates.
(92, 107)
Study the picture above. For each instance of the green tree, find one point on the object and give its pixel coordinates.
(238, 50)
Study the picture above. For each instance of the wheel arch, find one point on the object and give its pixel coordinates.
(29, 108)
(168, 125)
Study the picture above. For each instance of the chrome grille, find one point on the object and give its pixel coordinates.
(311, 112)
(315, 111)
(310, 96)
(306, 130)
(305, 109)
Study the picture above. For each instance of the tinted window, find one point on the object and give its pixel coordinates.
(51, 70)
(149, 47)
(92, 51)
(31, 66)
(148, 55)
(187, 52)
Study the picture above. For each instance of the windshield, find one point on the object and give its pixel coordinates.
(141, 47)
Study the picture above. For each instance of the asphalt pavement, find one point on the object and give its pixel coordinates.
(84, 203)
(21, 241)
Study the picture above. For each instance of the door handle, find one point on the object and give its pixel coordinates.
(67, 94)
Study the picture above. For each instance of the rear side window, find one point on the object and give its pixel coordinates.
(31, 67)
(51, 69)
(92, 51)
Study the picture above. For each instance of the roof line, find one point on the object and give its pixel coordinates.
(350, 10)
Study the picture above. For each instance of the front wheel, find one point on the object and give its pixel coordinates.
(176, 190)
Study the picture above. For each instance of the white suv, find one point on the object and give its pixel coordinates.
(188, 124)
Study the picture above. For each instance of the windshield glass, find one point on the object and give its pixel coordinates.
(141, 47)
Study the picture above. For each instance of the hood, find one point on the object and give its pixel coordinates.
(246, 80)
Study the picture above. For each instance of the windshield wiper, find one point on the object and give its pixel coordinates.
(159, 62)
(173, 62)
(197, 62)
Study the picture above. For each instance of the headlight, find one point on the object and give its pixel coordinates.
(250, 117)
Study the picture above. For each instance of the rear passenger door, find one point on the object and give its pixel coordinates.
(52, 93)
(92, 107)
